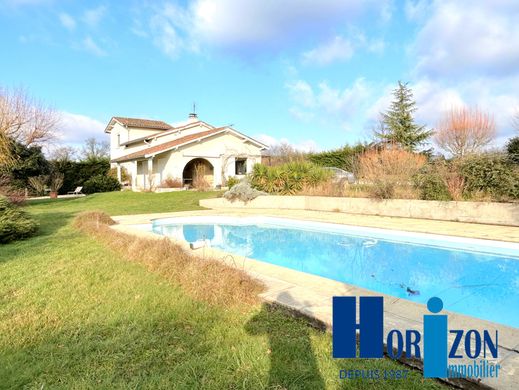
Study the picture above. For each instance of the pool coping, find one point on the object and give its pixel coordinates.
(310, 296)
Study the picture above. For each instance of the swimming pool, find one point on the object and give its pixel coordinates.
(478, 278)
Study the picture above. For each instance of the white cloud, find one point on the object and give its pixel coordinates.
(386, 11)
(303, 146)
(376, 46)
(248, 27)
(76, 128)
(170, 30)
(138, 29)
(324, 99)
(463, 38)
(302, 93)
(331, 107)
(91, 46)
(232, 22)
(338, 49)
(466, 53)
(93, 16)
(416, 10)
(67, 21)
(301, 114)
(434, 99)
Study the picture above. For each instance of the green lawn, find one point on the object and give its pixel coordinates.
(74, 314)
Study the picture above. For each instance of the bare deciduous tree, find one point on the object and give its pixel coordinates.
(94, 149)
(25, 120)
(283, 153)
(6, 157)
(464, 131)
(63, 153)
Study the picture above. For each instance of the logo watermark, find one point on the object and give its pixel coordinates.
(431, 344)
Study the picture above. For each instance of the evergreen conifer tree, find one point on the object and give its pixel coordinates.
(398, 122)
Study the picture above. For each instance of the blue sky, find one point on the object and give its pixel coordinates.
(313, 73)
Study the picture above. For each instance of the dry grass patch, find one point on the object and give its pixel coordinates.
(327, 188)
(206, 280)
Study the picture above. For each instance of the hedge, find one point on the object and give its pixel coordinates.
(77, 173)
(344, 158)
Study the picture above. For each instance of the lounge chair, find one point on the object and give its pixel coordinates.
(77, 191)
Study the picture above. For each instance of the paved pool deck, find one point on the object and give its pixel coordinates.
(311, 296)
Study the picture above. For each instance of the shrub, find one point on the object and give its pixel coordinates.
(455, 184)
(430, 184)
(172, 183)
(388, 168)
(56, 181)
(15, 224)
(15, 195)
(492, 174)
(101, 183)
(39, 184)
(512, 149)
(289, 178)
(232, 181)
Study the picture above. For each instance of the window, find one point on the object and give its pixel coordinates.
(118, 139)
(240, 166)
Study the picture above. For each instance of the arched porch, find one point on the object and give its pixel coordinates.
(198, 173)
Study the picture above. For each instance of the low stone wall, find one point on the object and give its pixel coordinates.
(477, 212)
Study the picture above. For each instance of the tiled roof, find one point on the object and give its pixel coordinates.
(168, 132)
(143, 123)
(167, 145)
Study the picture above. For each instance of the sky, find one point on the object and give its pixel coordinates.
(315, 74)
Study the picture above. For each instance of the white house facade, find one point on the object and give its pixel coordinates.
(153, 152)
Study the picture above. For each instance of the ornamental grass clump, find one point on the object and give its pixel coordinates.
(204, 279)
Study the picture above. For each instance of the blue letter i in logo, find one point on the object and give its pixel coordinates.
(435, 341)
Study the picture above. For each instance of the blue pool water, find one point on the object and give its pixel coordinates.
(470, 276)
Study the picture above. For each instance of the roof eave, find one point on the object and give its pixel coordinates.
(250, 139)
(111, 124)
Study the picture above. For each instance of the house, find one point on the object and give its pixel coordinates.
(152, 151)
